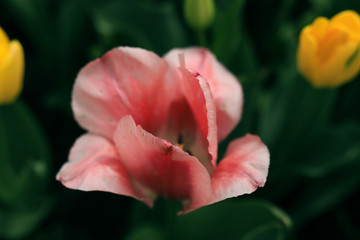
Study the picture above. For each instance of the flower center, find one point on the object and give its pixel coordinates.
(180, 144)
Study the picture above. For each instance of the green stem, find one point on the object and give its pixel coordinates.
(202, 38)
(171, 209)
(307, 114)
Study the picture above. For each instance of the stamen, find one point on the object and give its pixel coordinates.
(181, 60)
(180, 144)
(180, 139)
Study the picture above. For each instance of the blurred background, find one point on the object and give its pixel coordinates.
(313, 135)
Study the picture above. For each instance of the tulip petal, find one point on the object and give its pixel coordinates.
(243, 169)
(94, 165)
(319, 28)
(3, 37)
(348, 20)
(125, 81)
(199, 97)
(225, 88)
(4, 45)
(191, 123)
(306, 53)
(335, 71)
(182, 130)
(11, 72)
(163, 168)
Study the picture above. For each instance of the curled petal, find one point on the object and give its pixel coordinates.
(192, 119)
(94, 165)
(198, 95)
(243, 169)
(161, 167)
(225, 88)
(125, 81)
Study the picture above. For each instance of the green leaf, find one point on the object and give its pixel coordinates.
(24, 172)
(229, 219)
(271, 231)
(292, 114)
(19, 221)
(35, 19)
(336, 148)
(351, 59)
(349, 99)
(25, 159)
(155, 27)
(332, 162)
(324, 194)
(72, 35)
(148, 232)
(228, 30)
(232, 220)
(321, 5)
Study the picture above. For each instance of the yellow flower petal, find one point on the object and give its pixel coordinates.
(329, 50)
(306, 52)
(4, 44)
(11, 73)
(333, 38)
(319, 28)
(335, 71)
(349, 20)
(3, 37)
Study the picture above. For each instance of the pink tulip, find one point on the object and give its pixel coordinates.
(153, 128)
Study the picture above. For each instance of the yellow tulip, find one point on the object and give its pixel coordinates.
(329, 50)
(11, 68)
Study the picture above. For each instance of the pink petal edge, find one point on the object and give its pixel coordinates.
(243, 169)
(225, 88)
(125, 81)
(94, 165)
(198, 94)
